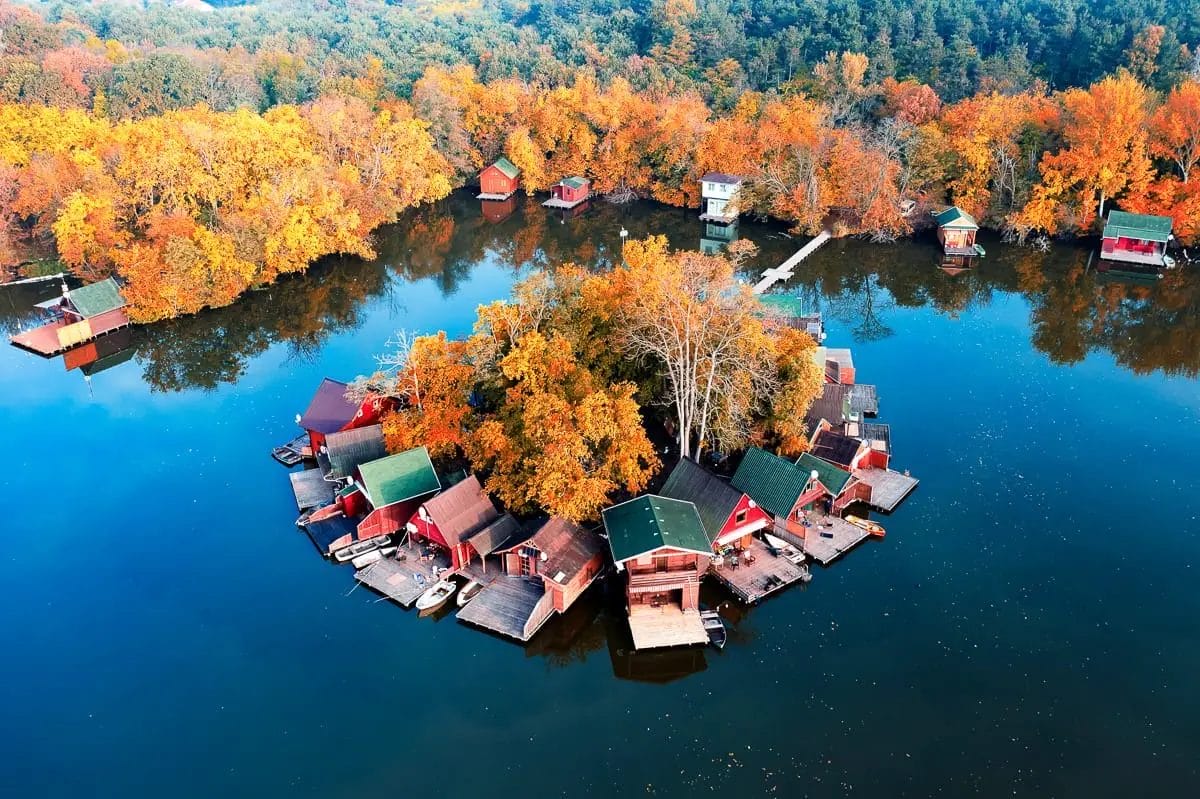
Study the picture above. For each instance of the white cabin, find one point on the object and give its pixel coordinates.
(718, 194)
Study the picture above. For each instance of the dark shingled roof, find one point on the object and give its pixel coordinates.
(461, 510)
(833, 406)
(349, 449)
(567, 547)
(500, 534)
(311, 488)
(329, 410)
(773, 482)
(835, 447)
(326, 531)
(832, 477)
(651, 522)
(715, 499)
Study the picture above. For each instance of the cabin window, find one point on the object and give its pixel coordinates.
(645, 560)
(740, 518)
(660, 564)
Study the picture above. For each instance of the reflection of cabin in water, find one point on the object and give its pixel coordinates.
(716, 237)
(1136, 239)
(499, 181)
(719, 197)
(569, 192)
(78, 316)
(498, 210)
(956, 264)
(956, 232)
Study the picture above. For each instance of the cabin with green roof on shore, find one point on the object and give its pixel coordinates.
(956, 231)
(1136, 239)
(499, 181)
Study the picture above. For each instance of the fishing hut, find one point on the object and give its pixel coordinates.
(77, 317)
(956, 232)
(498, 181)
(569, 192)
(1136, 239)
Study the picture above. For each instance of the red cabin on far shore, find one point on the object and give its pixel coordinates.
(569, 192)
(499, 181)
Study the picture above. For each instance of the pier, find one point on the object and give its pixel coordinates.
(787, 269)
(764, 575)
(405, 576)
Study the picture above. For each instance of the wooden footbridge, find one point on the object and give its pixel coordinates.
(787, 269)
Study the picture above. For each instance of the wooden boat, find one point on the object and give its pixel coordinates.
(874, 528)
(782, 549)
(468, 592)
(714, 625)
(435, 596)
(360, 548)
(367, 558)
(292, 452)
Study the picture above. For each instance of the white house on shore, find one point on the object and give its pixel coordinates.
(719, 197)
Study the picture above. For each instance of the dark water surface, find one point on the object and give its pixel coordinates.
(1027, 628)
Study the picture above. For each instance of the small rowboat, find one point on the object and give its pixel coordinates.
(874, 528)
(360, 548)
(435, 596)
(468, 592)
(783, 549)
(714, 625)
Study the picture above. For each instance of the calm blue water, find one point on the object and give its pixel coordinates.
(1027, 628)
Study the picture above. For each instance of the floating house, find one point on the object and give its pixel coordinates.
(452, 517)
(542, 575)
(729, 516)
(661, 547)
(719, 197)
(839, 449)
(956, 232)
(499, 181)
(346, 450)
(330, 411)
(569, 192)
(389, 490)
(77, 317)
(1137, 239)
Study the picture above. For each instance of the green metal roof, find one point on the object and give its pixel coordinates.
(398, 477)
(507, 167)
(649, 522)
(955, 217)
(574, 183)
(715, 500)
(96, 298)
(1137, 226)
(831, 476)
(773, 482)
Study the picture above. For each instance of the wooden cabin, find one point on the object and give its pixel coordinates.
(392, 489)
(661, 547)
(77, 317)
(1136, 239)
(565, 557)
(785, 489)
(330, 411)
(843, 451)
(569, 192)
(499, 181)
(719, 197)
(956, 231)
(452, 517)
(729, 516)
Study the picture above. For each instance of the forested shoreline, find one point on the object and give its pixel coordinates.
(196, 152)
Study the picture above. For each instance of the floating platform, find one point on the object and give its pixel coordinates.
(406, 575)
(751, 582)
(888, 488)
(60, 336)
(499, 197)
(864, 399)
(827, 539)
(311, 489)
(514, 607)
(668, 625)
(720, 219)
(554, 202)
(877, 435)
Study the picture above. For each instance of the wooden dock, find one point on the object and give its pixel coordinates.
(751, 582)
(668, 625)
(786, 270)
(403, 577)
(311, 488)
(554, 202)
(826, 538)
(888, 488)
(510, 606)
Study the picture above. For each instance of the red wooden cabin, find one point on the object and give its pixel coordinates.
(499, 181)
(729, 516)
(329, 411)
(449, 519)
(78, 316)
(569, 192)
(1136, 238)
(393, 488)
(563, 556)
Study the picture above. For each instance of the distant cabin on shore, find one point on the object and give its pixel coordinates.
(719, 197)
(499, 181)
(1136, 239)
(569, 192)
(956, 231)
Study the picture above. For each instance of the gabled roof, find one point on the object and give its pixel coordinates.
(651, 522)
(346, 450)
(461, 510)
(507, 167)
(329, 410)
(503, 533)
(97, 298)
(955, 217)
(835, 447)
(831, 476)
(833, 406)
(405, 475)
(721, 177)
(567, 547)
(773, 482)
(1137, 226)
(715, 499)
(574, 183)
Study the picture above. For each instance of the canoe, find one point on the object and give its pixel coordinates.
(435, 596)
(714, 625)
(874, 528)
(468, 592)
(360, 548)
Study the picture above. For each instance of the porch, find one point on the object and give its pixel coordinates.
(758, 576)
(665, 625)
(404, 576)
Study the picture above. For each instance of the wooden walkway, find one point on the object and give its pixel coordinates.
(888, 488)
(751, 582)
(786, 270)
(311, 488)
(554, 202)
(506, 606)
(404, 576)
(827, 539)
(668, 625)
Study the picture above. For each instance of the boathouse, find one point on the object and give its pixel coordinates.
(729, 516)
(449, 519)
(846, 452)
(661, 547)
(719, 197)
(330, 411)
(956, 231)
(346, 450)
(393, 488)
(779, 486)
(78, 316)
(1136, 238)
(569, 192)
(498, 181)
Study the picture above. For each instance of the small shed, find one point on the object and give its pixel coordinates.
(330, 411)
(346, 450)
(1136, 238)
(77, 317)
(719, 197)
(569, 192)
(563, 555)
(498, 181)
(729, 516)
(956, 231)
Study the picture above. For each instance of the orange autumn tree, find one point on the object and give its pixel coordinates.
(1175, 128)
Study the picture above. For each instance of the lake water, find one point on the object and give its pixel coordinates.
(1027, 628)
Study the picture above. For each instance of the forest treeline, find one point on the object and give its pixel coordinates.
(199, 152)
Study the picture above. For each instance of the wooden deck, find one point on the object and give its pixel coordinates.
(404, 580)
(554, 202)
(46, 340)
(500, 197)
(864, 399)
(506, 606)
(668, 625)
(827, 539)
(751, 582)
(888, 488)
(311, 489)
(786, 270)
